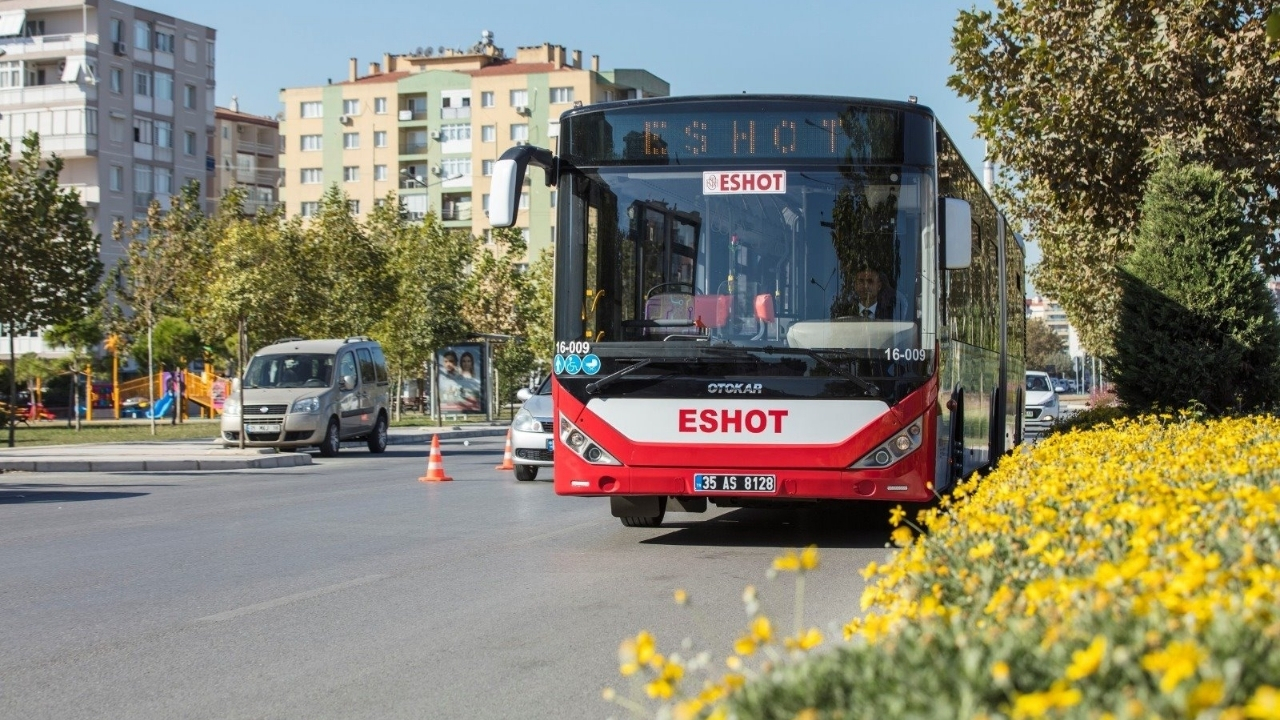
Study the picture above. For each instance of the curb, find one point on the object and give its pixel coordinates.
(186, 465)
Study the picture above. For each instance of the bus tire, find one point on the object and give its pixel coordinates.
(644, 521)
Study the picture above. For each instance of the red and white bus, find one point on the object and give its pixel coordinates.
(762, 300)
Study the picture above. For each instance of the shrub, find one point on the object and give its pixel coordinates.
(1197, 324)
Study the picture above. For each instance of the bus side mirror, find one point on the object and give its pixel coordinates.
(508, 180)
(957, 233)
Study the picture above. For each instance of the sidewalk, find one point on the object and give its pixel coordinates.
(187, 455)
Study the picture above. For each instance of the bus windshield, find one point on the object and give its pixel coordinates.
(832, 263)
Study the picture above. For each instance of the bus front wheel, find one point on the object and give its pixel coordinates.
(640, 511)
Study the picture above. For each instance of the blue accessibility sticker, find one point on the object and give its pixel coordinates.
(558, 363)
(573, 364)
(590, 364)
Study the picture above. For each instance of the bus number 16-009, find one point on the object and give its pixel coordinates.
(905, 354)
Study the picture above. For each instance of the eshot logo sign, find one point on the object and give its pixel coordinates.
(745, 182)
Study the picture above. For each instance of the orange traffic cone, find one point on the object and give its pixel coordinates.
(435, 464)
(507, 463)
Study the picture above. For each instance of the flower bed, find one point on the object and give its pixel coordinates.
(1130, 571)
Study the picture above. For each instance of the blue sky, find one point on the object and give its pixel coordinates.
(868, 48)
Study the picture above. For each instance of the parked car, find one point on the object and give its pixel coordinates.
(301, 393)
(532, 432)
(1042, 404)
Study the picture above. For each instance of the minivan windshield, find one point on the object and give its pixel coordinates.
(292, 370)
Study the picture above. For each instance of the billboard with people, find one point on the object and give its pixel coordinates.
(461, 380)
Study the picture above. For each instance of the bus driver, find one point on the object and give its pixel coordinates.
(869, 296)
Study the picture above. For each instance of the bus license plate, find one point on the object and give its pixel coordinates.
(734, 483)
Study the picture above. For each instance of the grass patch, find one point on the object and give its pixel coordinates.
(140, 431)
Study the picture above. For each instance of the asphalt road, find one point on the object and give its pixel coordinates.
(348, 589)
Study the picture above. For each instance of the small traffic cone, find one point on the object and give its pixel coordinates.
(507, 463)
(435, 464)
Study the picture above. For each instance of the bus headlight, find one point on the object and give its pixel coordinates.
(894, 449)
(583, 446)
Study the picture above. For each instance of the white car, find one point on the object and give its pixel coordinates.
(532, 439)
(1043, 408)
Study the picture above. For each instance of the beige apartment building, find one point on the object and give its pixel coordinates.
(246, 150)
(124, 95)
(426, 129)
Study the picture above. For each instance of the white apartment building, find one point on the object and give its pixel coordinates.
(124, 95)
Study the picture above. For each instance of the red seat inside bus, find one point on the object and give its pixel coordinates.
(704, 311)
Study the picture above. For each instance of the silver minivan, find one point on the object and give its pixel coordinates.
(301, 393)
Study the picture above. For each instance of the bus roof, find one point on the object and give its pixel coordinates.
(753, 97)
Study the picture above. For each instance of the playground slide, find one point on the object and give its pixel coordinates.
(162, 407)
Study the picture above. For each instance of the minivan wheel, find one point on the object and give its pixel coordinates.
(378, 438)
(525, 473)
(331, 444)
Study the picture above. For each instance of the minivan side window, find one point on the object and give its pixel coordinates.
(380, 364)
(367, 373)
(347, 366)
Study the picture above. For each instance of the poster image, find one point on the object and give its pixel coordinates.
(461, 379)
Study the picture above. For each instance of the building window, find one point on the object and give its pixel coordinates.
(379, 172)
(189, 97)
(455, 168)
(455, 132)
(486, 99)
(350, 141)
(311, 176)
(164, 42)
(189, 49)
(350, 107)
(486, 168)
(310, 209)
(519, 98)
(143, 131)
(189, 143)
(117, 80)
(164, 86)
(524, 201)
(520, 132)
(164, 181)
(142, 34)
(311, 143)
(142, 83)
(484, 202)
(312, 109)
(164, 134)
(117, 129)
(380, 138)
(380, 106)
(354, 205)
(351, 173)
(117, 30)
(117, 178)
(488, 133)
(561, 95)
(209, 59)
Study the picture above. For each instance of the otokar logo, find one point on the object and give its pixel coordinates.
(735, 388)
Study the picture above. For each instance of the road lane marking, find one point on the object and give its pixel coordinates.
(269, 604)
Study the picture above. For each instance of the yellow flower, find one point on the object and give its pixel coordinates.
(664, 685)
(761, 629)
(984, 549)
(1085, 662)
(682, 597)
(745, 645)
(901, 537)
(807, 640)
(787, 563)
(1035, 705)
(688, 709)
(1206, 695)
(809, 558)
(645, 647)
(896, 515)
(869, 571)
(806, 714)
(1000, 672)
(1177, 662)
(733, 662)
(1264, 705)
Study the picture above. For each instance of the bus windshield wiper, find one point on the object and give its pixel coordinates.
(595, 387)
(818, 355)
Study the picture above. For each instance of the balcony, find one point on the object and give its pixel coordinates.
(455, 212)
(67, 146)
(413, 114)
(253, 207)
(412, 148)
(455, 113)
(55, 94)
(49, 45)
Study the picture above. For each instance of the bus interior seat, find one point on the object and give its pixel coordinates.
(702, 311)
(765, 315)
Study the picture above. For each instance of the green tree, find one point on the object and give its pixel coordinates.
(538, 330)
(79, 336)
(349, 269)
(49, 266)
(1197, 323)
(500, 301)
(1043, 345)
(427, 268)
(1073, 95)
(174, 343)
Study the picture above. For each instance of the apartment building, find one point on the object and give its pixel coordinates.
(246, 150)
(124, 95)
(426, 128)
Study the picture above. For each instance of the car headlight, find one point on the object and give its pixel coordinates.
(306, 405)
(525, 422)
(231, 406)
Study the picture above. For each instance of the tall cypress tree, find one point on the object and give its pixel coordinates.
(1197, 323)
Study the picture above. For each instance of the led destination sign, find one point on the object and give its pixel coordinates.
(671, 134)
